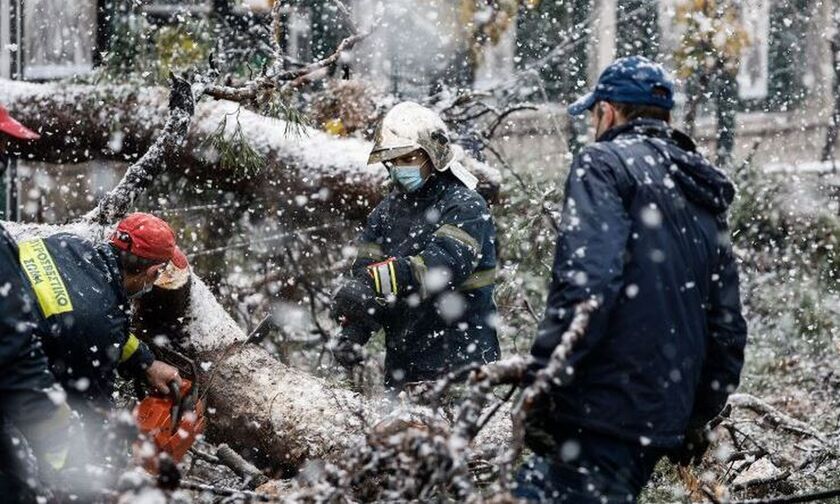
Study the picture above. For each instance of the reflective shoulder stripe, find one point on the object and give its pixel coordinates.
(368, 250)
(459, 235)
(479, 279)
(131, 346)
(45, 278)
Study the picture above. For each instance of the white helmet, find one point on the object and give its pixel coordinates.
(409, 127)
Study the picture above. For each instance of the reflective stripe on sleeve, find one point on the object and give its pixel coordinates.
(384, 277)
(131, 346)
(52, 434)
(479, 279)
(419, 270)
(459, 235)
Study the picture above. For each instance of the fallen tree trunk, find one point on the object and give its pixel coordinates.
(120, 122)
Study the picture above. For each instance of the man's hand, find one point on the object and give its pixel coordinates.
(347, 353)
(159, 374)
(694, 446)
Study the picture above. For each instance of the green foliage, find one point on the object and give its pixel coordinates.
(233, 149)
(149, 52)
(277, 107)
(179, 48)
(526, 238)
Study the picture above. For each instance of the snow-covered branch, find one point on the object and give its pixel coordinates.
(284, 80)
(139, 175)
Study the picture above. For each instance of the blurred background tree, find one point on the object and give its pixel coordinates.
(708, 59)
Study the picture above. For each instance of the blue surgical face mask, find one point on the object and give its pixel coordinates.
(409, 177)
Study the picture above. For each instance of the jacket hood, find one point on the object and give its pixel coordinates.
(701, 182)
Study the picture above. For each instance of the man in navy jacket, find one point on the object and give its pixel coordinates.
(644, 233)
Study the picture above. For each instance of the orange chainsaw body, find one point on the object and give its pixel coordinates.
(154, 419)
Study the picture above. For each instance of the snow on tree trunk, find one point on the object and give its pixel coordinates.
(81, 122)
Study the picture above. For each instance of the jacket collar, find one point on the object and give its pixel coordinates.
(112, 262)
(652, 128)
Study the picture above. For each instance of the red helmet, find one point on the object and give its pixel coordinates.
(149, 237)
(11, 127)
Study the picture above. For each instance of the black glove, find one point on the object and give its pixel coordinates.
(347, 353)
(356, 301)
(695, 445)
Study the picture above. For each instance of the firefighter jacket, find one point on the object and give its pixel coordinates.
(30, 400)
(433, 251)
(84, 313)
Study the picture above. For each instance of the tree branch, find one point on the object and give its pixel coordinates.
(140, 175)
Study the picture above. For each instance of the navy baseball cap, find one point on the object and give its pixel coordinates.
(635, 80)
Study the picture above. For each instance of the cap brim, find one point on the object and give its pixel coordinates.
(13, 128)
(179, 260)
(582, 104)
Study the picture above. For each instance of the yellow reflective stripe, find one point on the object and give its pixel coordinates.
(393, 273)
(56, 458)
(54, 432)
(367, 250)
(479, 279)
(376, 283)
(459, 235)
(45, 278)
(131, 346)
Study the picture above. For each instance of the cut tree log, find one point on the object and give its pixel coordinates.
(120, 122)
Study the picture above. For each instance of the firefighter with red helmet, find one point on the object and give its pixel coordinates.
(83, 291)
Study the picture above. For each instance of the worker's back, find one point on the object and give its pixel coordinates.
(84, 310)
(638, 370)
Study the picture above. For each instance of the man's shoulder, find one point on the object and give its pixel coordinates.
(607, 153)
(461, 196)
(69, 242)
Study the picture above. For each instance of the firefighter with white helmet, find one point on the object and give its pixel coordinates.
(426, 260)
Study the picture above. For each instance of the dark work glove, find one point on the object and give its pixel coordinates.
(347, 353)
(694, 446)
(356, 300)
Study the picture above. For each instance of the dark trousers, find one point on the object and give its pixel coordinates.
(585, 467)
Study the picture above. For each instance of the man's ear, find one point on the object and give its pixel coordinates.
(608, 113)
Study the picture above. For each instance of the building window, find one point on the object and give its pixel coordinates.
(59, 38)
(753, 72)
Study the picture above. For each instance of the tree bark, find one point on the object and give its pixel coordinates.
(82, 122)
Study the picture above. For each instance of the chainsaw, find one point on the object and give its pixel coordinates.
(173, 422)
